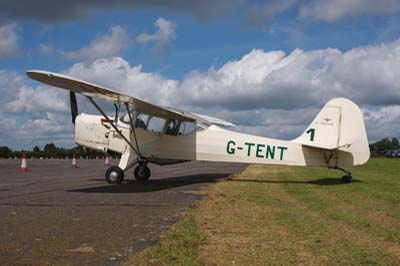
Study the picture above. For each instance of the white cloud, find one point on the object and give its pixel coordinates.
(382, 121)
(116, 73)
(9, 41)
(37, 131)
(162, 38)
(266, 88)
(18, 98)
(334, 10)
(275, 80)
(9, 83)
(56, 126)
(111, 44)
(265, 92)
(38, 100)
(31, 116)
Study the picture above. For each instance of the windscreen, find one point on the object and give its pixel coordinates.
(125, 117)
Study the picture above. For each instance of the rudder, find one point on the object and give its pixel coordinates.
(339, 126)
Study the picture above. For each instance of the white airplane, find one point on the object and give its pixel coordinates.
(336, 138)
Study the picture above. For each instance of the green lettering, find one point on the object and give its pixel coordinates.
(249, 147)
(270, 152)
(282, 150)
(311, 131)
(259, 150)
(229, 148)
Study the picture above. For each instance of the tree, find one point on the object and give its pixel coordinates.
(382, 146)
(50, 147)
(5, 152)
(395, 143)
(36, 149)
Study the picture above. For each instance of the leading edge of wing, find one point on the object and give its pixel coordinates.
(215, 120)
(93, 90)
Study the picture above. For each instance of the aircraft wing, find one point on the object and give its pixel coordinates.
(93, 90)
(205, 119)
(215, 120)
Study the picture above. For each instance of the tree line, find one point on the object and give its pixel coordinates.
(50, 150)
(381, 147)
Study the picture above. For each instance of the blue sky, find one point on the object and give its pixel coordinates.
(197, 44)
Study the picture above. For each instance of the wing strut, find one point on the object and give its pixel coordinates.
(114, 126)
(116, 113)
(132, 126)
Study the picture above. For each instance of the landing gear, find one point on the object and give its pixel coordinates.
(142, 172)
(346, 178)
(114, 175)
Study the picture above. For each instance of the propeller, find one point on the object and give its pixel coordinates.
(74, 106)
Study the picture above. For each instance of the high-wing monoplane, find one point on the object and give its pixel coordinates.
(148, 133)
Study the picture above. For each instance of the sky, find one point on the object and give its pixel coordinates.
(267, 66)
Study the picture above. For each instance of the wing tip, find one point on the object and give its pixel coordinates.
(31, 73)
(36, 74)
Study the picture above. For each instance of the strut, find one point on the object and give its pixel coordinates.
(113, 125)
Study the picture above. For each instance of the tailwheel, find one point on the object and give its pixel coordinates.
(346, 178)
(142, 172)
(114, 175)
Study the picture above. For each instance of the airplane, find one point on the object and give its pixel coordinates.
(148, 133)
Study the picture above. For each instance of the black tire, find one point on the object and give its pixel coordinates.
(346, 179)
(114, 175)
(142, 174)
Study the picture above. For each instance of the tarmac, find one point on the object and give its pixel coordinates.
(56, 215)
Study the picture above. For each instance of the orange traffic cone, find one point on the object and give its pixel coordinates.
(24, 166)
(107, 162)
(74, 164)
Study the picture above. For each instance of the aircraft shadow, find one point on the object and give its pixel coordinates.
(320, 182)
(133, 186)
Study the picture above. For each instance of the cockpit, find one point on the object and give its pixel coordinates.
(156, 124)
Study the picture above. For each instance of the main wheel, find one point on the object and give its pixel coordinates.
(346, 178)
(142, 173)
(114, 175)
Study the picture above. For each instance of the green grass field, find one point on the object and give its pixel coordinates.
(279, 215)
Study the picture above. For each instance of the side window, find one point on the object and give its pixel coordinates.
(141, 121)
(156, 124)
(188, 127)
(173, 127)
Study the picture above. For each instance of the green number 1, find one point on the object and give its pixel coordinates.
(311, 131)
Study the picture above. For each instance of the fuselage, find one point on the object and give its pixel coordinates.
(211, 143)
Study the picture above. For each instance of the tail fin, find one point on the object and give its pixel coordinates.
(339, 126)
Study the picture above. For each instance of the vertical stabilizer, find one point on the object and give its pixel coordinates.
(339, 126)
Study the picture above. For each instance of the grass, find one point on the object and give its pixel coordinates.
(178, 247)
(280, 215)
